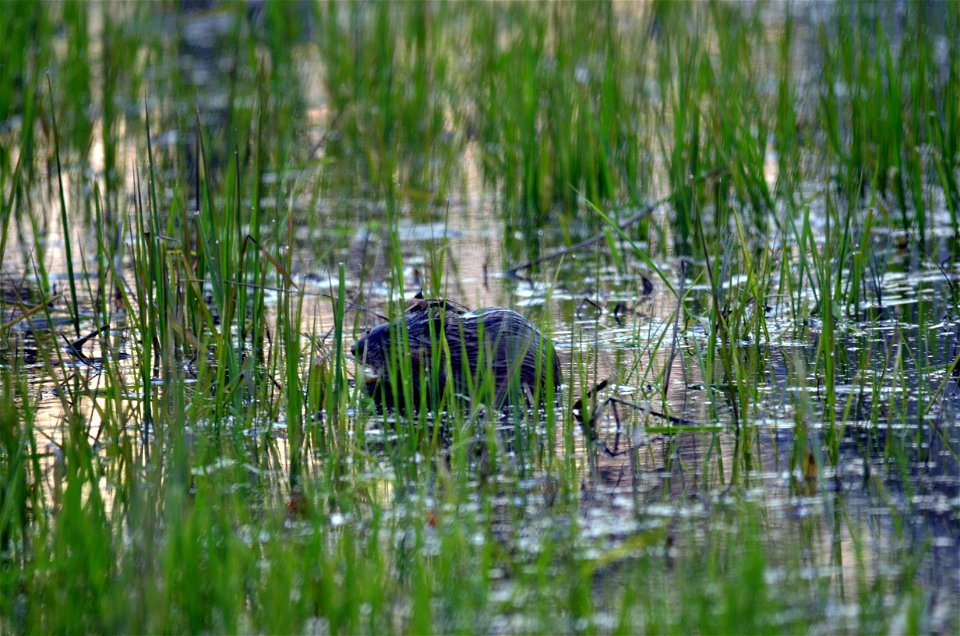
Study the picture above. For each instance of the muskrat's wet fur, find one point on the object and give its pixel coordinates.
(515, 357)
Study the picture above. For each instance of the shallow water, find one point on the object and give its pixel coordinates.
(888, 502)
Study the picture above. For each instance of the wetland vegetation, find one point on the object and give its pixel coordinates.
(204, 206)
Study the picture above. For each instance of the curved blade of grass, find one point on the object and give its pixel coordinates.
(640, 252)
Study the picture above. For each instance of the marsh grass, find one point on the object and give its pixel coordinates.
(210, 462)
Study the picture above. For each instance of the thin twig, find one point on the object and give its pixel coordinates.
(643, 213)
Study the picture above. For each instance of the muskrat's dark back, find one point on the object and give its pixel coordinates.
(511, 355)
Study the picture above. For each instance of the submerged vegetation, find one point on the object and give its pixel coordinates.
(202, 209)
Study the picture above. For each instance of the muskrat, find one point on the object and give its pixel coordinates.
(516, 362)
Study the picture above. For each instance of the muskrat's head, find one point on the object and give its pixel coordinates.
(376, 348)
(373, 350)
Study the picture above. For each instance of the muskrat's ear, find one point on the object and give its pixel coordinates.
(419, 304)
